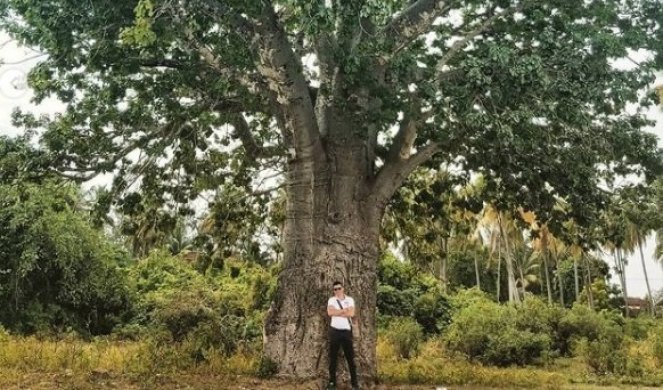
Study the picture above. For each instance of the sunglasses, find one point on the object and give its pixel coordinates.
(338, 288)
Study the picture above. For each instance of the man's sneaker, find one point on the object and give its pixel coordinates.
(331, 386)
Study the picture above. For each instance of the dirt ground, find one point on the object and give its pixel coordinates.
(40, 381)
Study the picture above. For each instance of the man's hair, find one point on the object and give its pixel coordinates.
(337, 283)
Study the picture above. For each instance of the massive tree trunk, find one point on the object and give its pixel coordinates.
(331, 233)
(335, 199)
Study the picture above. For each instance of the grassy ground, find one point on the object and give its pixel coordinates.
(50, 381)
(31, 363)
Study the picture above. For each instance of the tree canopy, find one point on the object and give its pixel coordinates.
(183, 96)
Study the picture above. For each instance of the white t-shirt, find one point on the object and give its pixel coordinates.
(338, 322)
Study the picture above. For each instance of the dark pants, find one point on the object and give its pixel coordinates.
(341, 339)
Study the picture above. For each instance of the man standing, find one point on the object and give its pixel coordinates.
(341, 309)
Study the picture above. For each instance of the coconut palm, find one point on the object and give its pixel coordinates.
(503, 233)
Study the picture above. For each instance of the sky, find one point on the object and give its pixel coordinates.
(16, 61)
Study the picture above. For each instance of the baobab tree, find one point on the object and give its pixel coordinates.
(347, 98)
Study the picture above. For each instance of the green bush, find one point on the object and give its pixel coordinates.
(405, 334)
(489, 332)
(655, 341)
(538, 316)
(432, 312)
(395, 302)
(598, 338)
(404, 291)
(63, 273)
(467, 297)
(601, 357)
(266, 368)
(638, 328)
(206, 314)
(513, 346)
(581, 322)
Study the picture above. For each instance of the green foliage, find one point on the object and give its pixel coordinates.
(57, 271)
(403, 291)
(267, 368)
(405, 334)
(490, 333)
(205, 313)
(640, 327)
(604, 354)
(141, 33)
(541, 76)
(655, 340)
(580, 322)
(394, 302)
(432, 312)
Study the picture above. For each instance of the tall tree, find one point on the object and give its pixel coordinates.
(347, 98)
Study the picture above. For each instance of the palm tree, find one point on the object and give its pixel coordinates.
(634, 239)
(541, 247)
(638, 215)
(528, 268)
(503, 231)
(658, 252)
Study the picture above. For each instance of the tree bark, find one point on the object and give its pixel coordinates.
(548, 286)
(499, 266)
(560, 278)
(514, 297)
(476, 271)
(331, 233)
(590, 294)
(644, 269)
(576, 278)
(619, 263)
(443, 265)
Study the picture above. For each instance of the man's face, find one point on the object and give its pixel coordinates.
(338, 289)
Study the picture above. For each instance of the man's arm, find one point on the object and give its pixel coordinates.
(347, 312)
(333, 311)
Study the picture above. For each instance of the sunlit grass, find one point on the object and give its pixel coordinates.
(145, 364)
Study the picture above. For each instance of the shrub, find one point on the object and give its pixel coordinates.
(405, 334)
(488, 332)
(581, 322)
(603, 355)
(638, 328)
(655, 341)
(207, 315)
(266, 367)
(467, 297)
(394, 302)
(432, 312)
(513, 346)
(538, 316)
(63, 272)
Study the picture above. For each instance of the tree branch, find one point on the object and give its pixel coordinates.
(393, 174)
(158, 62)
(91, 170)
(412, 23)
(403, 141)
(482, 27)
(283, 71)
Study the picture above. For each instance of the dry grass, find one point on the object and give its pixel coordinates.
(31, 363)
